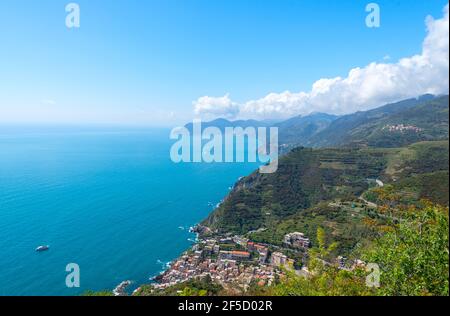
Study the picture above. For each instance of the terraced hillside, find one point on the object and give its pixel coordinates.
(327, 188)
(304, 178)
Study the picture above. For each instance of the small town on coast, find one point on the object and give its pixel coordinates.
(236, 263)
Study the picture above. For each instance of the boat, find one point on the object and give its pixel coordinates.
(42, 248)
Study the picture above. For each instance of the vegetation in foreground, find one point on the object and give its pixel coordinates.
(197, 287)
(412, 256)
(411, 253)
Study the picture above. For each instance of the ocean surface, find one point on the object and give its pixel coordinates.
(107, 199)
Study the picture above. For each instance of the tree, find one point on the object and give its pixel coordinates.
(322, 252)
(414, 257)
(324, 279)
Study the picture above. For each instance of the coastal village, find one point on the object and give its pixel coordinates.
(234, 261)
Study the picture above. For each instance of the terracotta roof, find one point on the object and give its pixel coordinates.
(242, 253)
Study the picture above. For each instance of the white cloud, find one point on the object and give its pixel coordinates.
(362, 89)
(208, 107)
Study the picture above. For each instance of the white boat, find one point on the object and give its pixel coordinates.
(42, 248)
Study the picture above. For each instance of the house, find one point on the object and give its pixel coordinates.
(278, 259)
(297, 240)
(240, 255)
(263, 256)
(251, 246)
(240, 241)
(234, 255)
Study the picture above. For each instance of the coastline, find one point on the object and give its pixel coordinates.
(234, 263)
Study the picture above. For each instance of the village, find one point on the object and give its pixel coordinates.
(234, 261)
(402, 128)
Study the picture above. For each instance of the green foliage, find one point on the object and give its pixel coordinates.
(189, 291)
(428, 114)
(323, 278)
(300, 129)
(414, 257)
(305, 177)
(418, 158)
(322, 251)
(298, 196)
(339, 219)
(195, 287)
(416, 172)
(329, 282)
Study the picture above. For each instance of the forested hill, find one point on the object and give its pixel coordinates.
(304, 177)
(392, 125)
(298, 196)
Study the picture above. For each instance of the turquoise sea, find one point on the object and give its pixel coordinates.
(108, 199)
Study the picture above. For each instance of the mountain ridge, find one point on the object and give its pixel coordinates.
(362, 128)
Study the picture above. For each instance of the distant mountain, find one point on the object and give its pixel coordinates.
(292, 132)
(300, 129)
(223, 123)
(392, 125)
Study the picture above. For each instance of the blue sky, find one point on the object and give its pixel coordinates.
(146, 62)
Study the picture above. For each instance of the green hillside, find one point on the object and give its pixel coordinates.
(393, 125)
(322, 187)
(418, 171)
(299, 130)
(304, 178)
